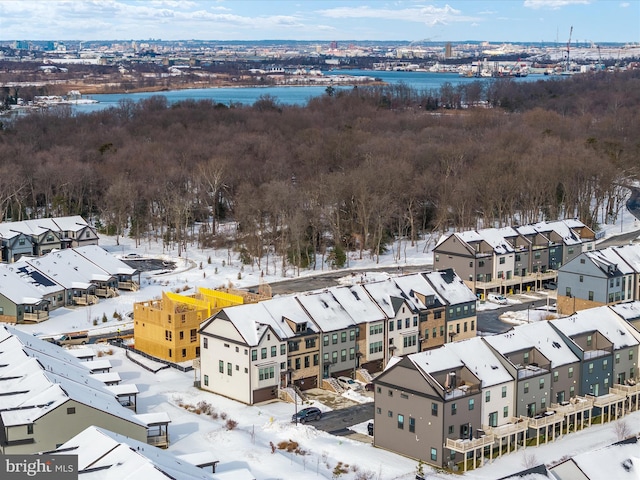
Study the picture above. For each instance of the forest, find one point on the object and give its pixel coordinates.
(350, 171)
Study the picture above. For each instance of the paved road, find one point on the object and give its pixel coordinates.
(337, 422)
(488, 321)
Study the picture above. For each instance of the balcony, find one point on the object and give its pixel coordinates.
(463, 390)
(85, 300)
(591, 354)
(131, 286)
(37, 316)
(464, 445)
(532, 370)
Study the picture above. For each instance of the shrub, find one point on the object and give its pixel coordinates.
(95, 321)
(223, 416)
(104, 318)
(231, 424)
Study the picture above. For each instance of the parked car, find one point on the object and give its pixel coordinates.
(497, 298)
(307, 414)
(550, 285)
(74, 338)
(348, 383)
(369, 387)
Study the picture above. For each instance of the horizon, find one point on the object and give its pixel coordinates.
(505, 21)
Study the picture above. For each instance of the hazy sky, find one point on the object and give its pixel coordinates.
(414, 20)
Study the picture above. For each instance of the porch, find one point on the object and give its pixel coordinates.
(475, 445)
(85, 300)
(577, 407)
(549, 421)
(631, 391)
(157, 428)
(35, 317)
(513, 431)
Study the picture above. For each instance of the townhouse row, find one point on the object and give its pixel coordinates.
(33, 286)
(250, 352)
(513, 259)
(34, 238)
(483, 396)
(601, 277)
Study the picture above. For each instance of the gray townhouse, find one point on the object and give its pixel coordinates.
(606, 347)
(531, 369)
(631, 255)
(512, 259)
(592, 279)
(433, 405)
(339, 333)
(13, 244)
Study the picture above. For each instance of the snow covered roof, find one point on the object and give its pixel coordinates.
(417, 283)
(628, 311)
(16, 289)
(630, 254)
(326, 311)
(607, 258)
(65, 270)
(38, 376)
(105, 260)
(72, 223)
(105, 455)
(562, 229)
(34, 277)
(252, 320)
(601, 319)
(495, 238)
(357, 302)
(539, 335)
(620, 460)
(28, 227)
(288, 307)
(450, 287)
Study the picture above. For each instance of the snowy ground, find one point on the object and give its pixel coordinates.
(249, 445)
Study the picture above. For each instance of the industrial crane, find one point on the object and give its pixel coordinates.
(568, 64)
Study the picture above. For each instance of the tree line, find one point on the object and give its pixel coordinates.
(350, 171)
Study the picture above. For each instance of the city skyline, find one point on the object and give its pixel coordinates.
(525, 21)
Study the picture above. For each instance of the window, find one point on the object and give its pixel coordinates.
(543, 403)
(71, 410)
(352, 335)
(487, 396)
(315, 359)
(502, 260)
(263, 353)
(454, 408)
(343, 355)
(570, 372)
(555, 376)
(526, 387)
(404, 396)
(581, 278)
(407, 322)
(412, 424)
(630, 355)
(168, 335)
(274, 350)
(589, 340)
(493, 419)
(325, 340)
(450, 429)
(334, 338)
(591, 367)
(504, 392)
(505, 412)
(378, 410)
(401, 422)
(409, 341)
(254, 355)
(352, 353)
(229, 369)
(334, 357)
(415, 321)
(307, 362)
(181, 335)
(399, 324)
(283, 347)
(465, 326)
(434, 454)
(605, 364)
(184, 352)
(266, 373)
(473, 325)
(343, 337)
(375, 347)
(391, 325)
(434, 409)
(526, 358)
(389, 414)
(221, 366)
(205, 342)
(572, 391)
(297, 363)
(541, 383)
(206, 380)
(193, 335)
(591, 295)
(375, 329)
(471, 403)
(310, 343)
(325, 358)
(617, 358)
(30, 429)
(390, 392)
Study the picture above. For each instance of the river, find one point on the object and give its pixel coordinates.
(289, 95)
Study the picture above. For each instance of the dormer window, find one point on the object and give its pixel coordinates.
(301, 327)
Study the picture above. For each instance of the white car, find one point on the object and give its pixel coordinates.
(497, 298)
(348, 383)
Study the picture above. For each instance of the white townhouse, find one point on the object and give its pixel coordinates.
(371, 322)
(403, 322)
(497, 384)
(243, 354)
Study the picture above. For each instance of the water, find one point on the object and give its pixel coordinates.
(289, 95)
